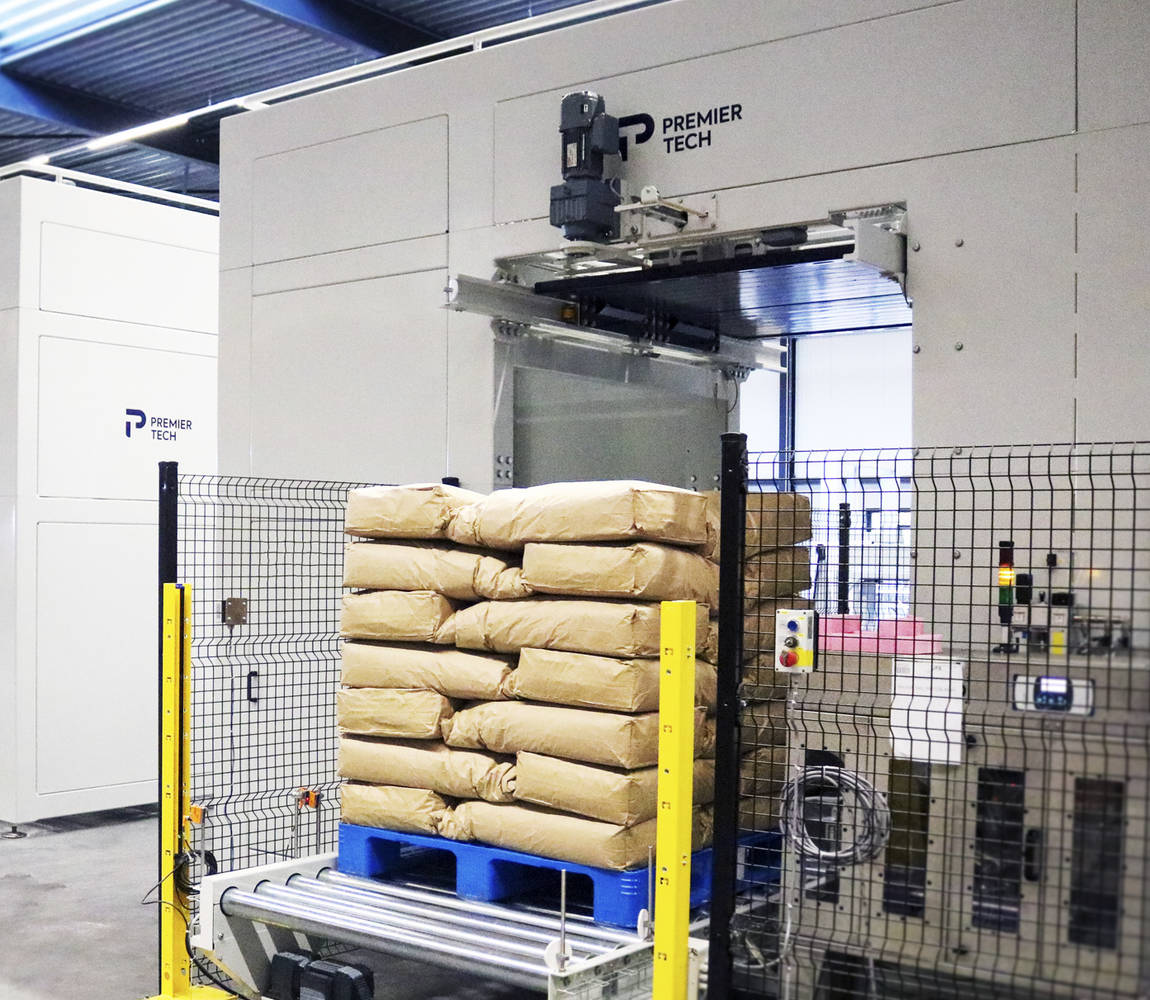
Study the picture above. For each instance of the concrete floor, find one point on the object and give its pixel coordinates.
(72, 924)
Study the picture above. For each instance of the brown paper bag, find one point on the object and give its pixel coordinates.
(461, 574)
(535, 830)
(587, 681)
(583, 512)
(762, 775)
(394, 712)
(620, 797)
(419, 511)
(462, 774)
(644, 571)
(761, 682)
(776, 573)
(775, 520)
(452, 672)
(408, 810)
(609, 628)
(396, 616)
(610, 738)
(714, 514)
(764, 724)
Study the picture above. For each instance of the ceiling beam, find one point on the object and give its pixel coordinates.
(345, 21)
(76, 114)
(82, 116)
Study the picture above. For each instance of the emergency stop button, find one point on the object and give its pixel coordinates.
(796, 640)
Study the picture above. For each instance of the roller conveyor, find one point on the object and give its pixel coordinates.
(247, 916)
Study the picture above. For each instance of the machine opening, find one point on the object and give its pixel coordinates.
(1095, 865)
(904, 883)
(998, 849)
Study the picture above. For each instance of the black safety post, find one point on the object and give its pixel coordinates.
(732, 529)
(168, 566)
(844, 601)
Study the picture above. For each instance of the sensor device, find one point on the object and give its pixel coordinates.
(796, 641)
(1068, 695)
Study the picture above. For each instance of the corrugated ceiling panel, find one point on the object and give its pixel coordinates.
(41, 137)
(459, 17)
(151, 167)
(187, 54)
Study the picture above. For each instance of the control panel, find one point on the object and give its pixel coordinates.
(1053, 694)
(796, 641)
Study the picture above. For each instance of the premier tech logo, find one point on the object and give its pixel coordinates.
(679, 132)
(160, 428)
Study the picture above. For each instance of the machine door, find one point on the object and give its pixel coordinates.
(999, 878)
(1095, 860)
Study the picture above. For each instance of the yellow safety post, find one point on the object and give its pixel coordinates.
(175, 698)
(676, 788)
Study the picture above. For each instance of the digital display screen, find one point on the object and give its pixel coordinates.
(1053, 693)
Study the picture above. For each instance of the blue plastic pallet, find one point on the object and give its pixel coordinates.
(491, 873)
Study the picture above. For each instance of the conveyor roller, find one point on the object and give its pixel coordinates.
(499, 941)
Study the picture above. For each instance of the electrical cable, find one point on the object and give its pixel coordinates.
(206, 972)
(738, 394)
(873, 831)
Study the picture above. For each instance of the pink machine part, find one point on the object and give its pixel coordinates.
(895, 637)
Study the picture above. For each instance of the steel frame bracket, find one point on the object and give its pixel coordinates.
(518, 312)
(241, 948)
(880, 238)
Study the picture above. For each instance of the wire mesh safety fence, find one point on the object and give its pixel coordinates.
(264, 558)
(962, 782)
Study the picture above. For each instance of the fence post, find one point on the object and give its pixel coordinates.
(843, 604)
(167, 535)
(732, 530)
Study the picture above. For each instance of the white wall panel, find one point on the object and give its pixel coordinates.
(967, 75)
(350, 381)
(1114, 286)
(234, 379)
(95, 710)
(9, 245)
(379, 261)
(1006, 295)
(380, 186)
(854, 391)
(107, 275)
(1113, 63)
(9, 387)
(759, 411)
(89, 446)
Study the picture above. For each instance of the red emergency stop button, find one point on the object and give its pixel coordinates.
(789, 658)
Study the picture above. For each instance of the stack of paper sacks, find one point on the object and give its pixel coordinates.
(581, 570)
(402, 675)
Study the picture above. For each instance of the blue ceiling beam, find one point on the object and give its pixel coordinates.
(86, 116)
(345, 21)
(74, 112)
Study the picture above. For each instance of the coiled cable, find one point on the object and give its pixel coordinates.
(871, 831)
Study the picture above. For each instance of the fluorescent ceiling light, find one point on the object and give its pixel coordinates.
(41, 25)
(137, 132)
